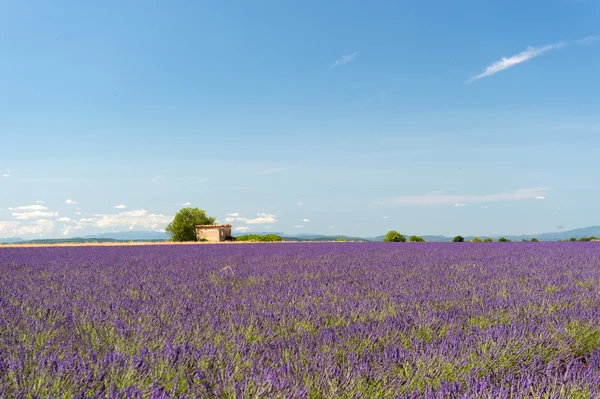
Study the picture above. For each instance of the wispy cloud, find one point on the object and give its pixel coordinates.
(39, 202)
(506, 63)
(29, 208)
(186, 204)
(298, 226)
(242, 228)
(70, 202)
(460, 205)
(344, 60)
(445, 199)
(588, 40)
(5, 175)
(120, 207)
(305, 220)
(261, 218)
(540, 197)
(33, 215)
(530, 53)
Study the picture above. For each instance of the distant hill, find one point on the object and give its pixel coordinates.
(130, 236)
(11, 240)
(561, 235)
(158, 236)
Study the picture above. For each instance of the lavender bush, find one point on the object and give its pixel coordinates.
(301, 321)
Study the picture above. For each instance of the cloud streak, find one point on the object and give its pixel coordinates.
(446, 199)
(505, 63)
(344, 60)
(530, 53)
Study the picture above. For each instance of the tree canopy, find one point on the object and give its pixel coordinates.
(183, 226)
(394, 236)
(458, 239)
(416, 239)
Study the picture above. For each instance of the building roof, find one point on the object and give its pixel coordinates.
(212, 226)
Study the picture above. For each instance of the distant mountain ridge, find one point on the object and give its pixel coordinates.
(160, 236)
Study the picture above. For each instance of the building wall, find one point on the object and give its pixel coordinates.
(214, 234)
(209, 234)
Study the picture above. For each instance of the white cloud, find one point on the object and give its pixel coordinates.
(530, 53)
(300, 203)
(261, 218)
(588, 40)
(41, 226)
(64, 220)
(137, 218)
(444, 199)
(385, 217)
(7, 228)
(77, 213)
(6, 175)
(298, 226)
(460, 205)
(484, 206)
(33, 215)
(540, 197)
(70, 202)
(120, 207)
(242, 228)
(29, 208)
(524, 56)
(39, 202)
(305, 220)
(344, 60)
(186, 204)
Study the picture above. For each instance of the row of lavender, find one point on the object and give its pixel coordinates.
(301, 320)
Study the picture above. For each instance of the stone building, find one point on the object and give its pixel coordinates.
(213, 232)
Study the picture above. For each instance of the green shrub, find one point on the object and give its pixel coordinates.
(476, 239)
(503, 239)
(258, 238)
(458, 239)
(394, 236)
(416, 239)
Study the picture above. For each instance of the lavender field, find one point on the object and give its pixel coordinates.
(343, 320)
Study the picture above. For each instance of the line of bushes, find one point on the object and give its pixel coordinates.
(258, 238)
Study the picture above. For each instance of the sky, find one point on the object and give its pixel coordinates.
(338, 117)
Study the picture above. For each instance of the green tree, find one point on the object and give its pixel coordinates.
(535, 240)
(183, 226)
(458, 239)
(502, 239)
(572, 239)
(416, 239)
(488, 239)
(476, 239)
(394, 236)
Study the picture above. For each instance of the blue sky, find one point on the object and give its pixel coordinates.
(428, 117)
